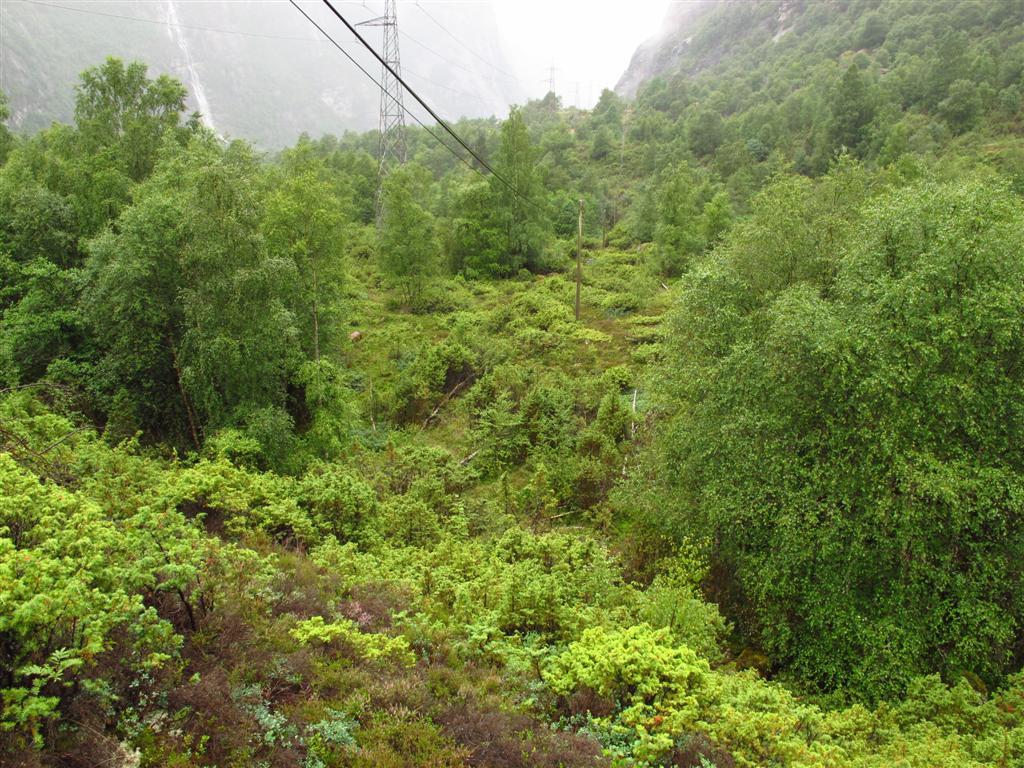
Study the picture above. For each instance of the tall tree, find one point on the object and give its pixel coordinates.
(121, 110)
(305, 221)
(852, 112)
(188, 309)
(408, 243)
(519, 205)
(678, 234)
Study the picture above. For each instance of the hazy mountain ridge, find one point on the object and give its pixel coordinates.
(270, 84)
(697, 35)
(662, 52)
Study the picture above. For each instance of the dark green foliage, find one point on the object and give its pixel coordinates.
(832, 441)
(873, 30)
(183, 297)
(852, 111)
(503, 227)
(408, 244)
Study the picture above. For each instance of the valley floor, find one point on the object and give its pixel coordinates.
(454, 592)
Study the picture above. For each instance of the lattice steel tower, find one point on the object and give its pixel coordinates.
(392, 149)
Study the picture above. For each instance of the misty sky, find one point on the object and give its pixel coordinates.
(257, 69)
(589, 42)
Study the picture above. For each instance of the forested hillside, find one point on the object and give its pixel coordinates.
(283, 483)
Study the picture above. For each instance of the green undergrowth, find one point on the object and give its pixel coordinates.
(430, 599)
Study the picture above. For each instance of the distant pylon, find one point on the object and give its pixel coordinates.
(392, 149)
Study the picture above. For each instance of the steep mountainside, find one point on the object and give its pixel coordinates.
(738, 83)
(704, 35)
(663, 52)
(699, 35)
(255, 70)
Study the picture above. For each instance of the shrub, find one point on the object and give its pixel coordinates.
(659, 686)
(365, 645)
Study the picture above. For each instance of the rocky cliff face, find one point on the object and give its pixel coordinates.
(255, 70)
(696, 35)
(663, 52)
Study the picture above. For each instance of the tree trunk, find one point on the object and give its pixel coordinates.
(184, 395)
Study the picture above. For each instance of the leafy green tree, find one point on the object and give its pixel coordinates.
(38, 258)
(609, 109)
(305, 220)
(946, 64)
(961, 108)
(120, 110)
(187, 307)
(716, 218)
(408, 249)
(706, 132)
(603, 145)
(473, 240)
(518, 203)
(831, 442)
(852, 112)
(873, 30)
(678, 235)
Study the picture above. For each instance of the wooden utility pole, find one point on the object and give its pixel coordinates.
(579, 259)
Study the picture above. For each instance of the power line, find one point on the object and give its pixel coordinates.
(450, 34)
(441, 56)
(422, 103)
(405, 35)
(243, 33)
(169, 24)
(467, 94)
(451, 62)
(381, 87)
(392, 111)
(359, 37)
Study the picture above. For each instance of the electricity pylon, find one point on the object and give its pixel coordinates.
(392, 150)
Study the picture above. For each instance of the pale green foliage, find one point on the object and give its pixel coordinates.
(659, 687)
(408, 520)
(70, 577)
(664, 692)
(367, 645)
(339, 500)
(524, 523)
(673, 601)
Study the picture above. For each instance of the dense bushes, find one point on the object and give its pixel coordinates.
(118, 569)
(844, 437)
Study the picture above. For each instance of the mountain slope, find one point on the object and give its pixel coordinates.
(255, 70)
(714, 35)
(662, 52)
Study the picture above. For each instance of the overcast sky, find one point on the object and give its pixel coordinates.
(589, 42)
